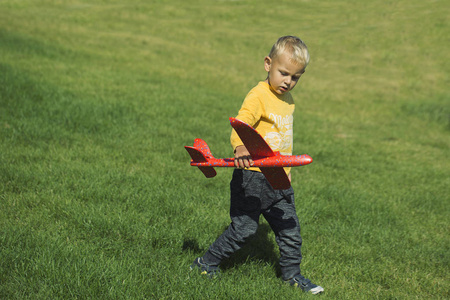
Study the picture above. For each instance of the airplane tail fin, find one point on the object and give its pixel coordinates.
(201, 153)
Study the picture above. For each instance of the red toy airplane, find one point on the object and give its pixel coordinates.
(270, 163)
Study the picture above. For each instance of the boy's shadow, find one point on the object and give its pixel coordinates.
(258, 248)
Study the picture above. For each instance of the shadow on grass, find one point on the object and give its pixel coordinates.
(258, 248)
(192, 246)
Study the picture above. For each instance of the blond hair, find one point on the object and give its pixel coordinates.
(294, 46)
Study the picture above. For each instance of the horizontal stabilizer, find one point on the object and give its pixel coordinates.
(198, 156)
(208, 171)
(195, 154)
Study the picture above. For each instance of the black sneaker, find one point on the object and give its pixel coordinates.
(305, 284)
(210, 271)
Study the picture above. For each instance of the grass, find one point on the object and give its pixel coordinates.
(98, 98)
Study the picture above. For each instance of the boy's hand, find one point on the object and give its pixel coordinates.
(242, 158)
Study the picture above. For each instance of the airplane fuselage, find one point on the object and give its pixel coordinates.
(274, 161)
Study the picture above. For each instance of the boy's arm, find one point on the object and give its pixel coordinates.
(250, 113)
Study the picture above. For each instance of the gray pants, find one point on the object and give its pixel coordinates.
(251, 196)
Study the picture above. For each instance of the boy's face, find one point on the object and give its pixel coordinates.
(283, 73)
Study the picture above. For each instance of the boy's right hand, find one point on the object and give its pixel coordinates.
(242, 158)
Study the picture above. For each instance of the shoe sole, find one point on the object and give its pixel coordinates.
(316, 290)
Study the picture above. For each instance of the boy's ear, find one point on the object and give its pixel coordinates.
(267, 63)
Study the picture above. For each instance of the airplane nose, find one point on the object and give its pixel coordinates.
(308, 159)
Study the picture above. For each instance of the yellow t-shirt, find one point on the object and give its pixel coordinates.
(271, 115)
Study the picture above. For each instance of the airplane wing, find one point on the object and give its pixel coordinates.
(276, 177)
(258, 148)
(253, 141)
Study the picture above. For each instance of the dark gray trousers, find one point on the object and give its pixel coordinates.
(251, 196)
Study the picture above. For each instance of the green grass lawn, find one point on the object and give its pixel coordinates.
(98, 98)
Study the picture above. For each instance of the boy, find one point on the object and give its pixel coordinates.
(269, 108)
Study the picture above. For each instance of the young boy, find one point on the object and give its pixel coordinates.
(269, 108)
